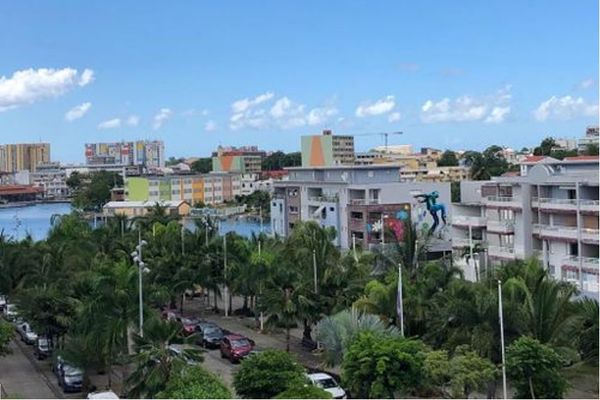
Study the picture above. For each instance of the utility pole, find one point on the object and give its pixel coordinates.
(262, 316)
(137, 258)
(400, 300)
(316, 292)
(225, 275)
(182, 240)
(354, 246)
(501, 316)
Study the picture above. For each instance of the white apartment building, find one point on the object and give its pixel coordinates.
(52, 178)
(550, 212)
(356, 201)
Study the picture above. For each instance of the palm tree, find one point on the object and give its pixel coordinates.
(585, 329)
(155, 362)
(338, 331)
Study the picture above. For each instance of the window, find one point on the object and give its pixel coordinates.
(331, 209)
(293, 210)
(356, 215)
(572, 249)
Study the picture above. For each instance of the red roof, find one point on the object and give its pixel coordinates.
(276, 174)
(582, 158)
(19, 189)
(512, 173)
(533, 159)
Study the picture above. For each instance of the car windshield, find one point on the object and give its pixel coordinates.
(327, 383)
(213, 331)
(72, 373)
(240, 343)
(189, 321)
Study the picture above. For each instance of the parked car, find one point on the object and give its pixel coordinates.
(327, 383)
(189, 324)
(42, 348)
(27, 334)
(69, 377)
(178, 349)
(209, 334)
(170, 314)
(235, 347)
(10, 312)
(109, 395)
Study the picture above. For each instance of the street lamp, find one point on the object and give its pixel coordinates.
(137, 259)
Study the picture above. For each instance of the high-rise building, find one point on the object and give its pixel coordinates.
(550, 211)
(590, 138)
(245, 160)
(150, 154)
(23, 156)
(327, 150)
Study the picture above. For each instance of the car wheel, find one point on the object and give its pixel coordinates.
(222, 355)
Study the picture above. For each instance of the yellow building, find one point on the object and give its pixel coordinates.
(23, 156)
(133, 209)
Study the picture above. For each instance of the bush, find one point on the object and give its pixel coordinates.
(304, 391)
(268, 374)
(6, 334)
(195, 383)
(377, 366)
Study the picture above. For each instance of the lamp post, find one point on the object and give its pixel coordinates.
(501, 318)
(137, 258)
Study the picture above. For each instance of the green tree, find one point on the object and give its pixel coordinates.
(304, 391)
(545, 148)
(591, 150)
(279, 160)
(534, 369)
(92, 191)
(194, 383)
(7, 332)
(202, 165)
(585, 329)
(267, 374)
(383, 367)
(338, 331)
(486, 164)
(448, 159)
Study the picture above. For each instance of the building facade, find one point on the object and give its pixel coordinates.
(246, 160)
(53, 179)
(23, 156)
(327, 150)
(550, 212)
(211, 189)
(150, 154)
(590, 138)
(357, 201)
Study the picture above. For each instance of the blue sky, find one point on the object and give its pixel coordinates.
(450, 74)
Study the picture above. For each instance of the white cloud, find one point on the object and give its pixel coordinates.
(564, 108)
(395, 116)
(586, 84)
(133, 120)
(210, 126)
(78, 111)
(110, 124)
(381, 106)
(31, 85)
(242, 105)
(264, 111)
(491, 109)
(161, 117)
(87, 77)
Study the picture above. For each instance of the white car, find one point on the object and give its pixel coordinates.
(327, 383)
(26, 333)
(10, 312)
(102, 395)
(178, 349)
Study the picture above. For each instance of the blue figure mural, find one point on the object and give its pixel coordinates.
(430, 200)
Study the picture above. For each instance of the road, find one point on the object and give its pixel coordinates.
(20, 378)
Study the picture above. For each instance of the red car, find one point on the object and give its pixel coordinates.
(189, 325)
(236, 347)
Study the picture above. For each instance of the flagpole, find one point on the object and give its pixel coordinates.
(502, 337)
(400, 301)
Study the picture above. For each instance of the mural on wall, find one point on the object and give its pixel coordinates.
(392, 222)
(428, 204)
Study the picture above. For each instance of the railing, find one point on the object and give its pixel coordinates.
(362, 202)
(588, 262)
(501, 226)
(323, 198)
(468, 220)
(464, 242)
(502, 201)
(564, 203)
(501, 251)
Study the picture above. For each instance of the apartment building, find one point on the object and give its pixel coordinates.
(52, 178)
(247, 159)
(150, 154)
(355, 200)
(211, 189)
(327, 150)
(23, 156)
(590, 138)
(551, 212)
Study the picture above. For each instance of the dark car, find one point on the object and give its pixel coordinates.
(42, 348)
(236, 347)
(209, 334)
(69, 377)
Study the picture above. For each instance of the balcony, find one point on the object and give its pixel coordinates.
(363, 202)
(589, 206)
(566, 233)
(502, 202)
(506, 253)
(323, 199)
(466, 221)
(550, 204)
(495, 226)
(464, 242)
(589, 263)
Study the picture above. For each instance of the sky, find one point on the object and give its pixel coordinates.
(196, 74)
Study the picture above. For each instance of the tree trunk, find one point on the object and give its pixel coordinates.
(287, 338)
(216, 304)
(230, 300)
(181, 302)
(245, 306)
(531, 388)
(307, 332)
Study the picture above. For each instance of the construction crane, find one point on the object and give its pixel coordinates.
(384, 134)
